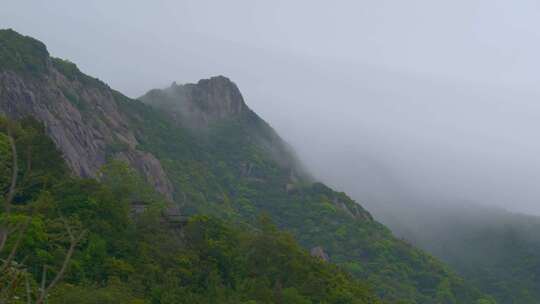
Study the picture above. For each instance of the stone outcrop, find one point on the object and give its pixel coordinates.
(355, 211)
(318, 252)
(82, 118)
(150, 167)
(91, 123)
(217, 99)
(198, 105)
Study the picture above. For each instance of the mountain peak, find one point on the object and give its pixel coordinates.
(218, 81)
(201, 104)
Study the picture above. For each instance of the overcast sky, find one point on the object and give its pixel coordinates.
(435, 98)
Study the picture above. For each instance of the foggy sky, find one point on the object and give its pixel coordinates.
(434, 100)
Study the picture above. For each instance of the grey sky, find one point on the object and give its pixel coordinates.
(439, 98)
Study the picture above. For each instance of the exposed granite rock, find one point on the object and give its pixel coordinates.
(218, 100)
(200, 104)
(150, 167)
(82, 119)
(354, 211)
(91, 123)
(318, 252)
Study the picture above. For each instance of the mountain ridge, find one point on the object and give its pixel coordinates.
(236, 169)
(86, 136)
(200, 104)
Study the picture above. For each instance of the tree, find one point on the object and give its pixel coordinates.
(12, 272)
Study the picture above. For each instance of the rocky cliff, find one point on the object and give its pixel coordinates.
(80, 113)
(216, 105)
(201, 104)
(222, 159)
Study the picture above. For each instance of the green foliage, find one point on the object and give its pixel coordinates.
(74, 99)
(115, 292)
(238, 168)
(264, 267)
(137, 258)
(5, 163)
(72, 72)
(230, 173)
(22, 54)
(510, 270)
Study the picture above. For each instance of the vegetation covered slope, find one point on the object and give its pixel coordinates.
(79, 112)
(496, 250)
(235, 167)
(239, 176)
(127, 257)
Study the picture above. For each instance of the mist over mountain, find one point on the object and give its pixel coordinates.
(424, 114)
(193, 168)
(456, 99)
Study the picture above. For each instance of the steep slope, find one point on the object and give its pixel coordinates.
(80, 113)
(199, 105)
(494, 249)
(129, 257)
(318, 216)
(200, 145)
(217, 103)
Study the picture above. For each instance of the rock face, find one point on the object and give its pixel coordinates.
(198, 105)
(218, 100)
(79, 113)
(318, 252)
(91, 123)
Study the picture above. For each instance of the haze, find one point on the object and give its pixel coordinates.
(391, 101)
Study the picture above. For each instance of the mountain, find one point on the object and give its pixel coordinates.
(203, 149)
(201, 104)
(129, 252)
(217, 103)
(80, 113)
(496, 250)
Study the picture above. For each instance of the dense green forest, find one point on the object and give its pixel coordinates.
(494, 249)
(216, 183)
(233, 178)
(127, 257)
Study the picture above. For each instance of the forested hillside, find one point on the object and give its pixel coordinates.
(494, 249)
(125, 254)
(216, 161)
